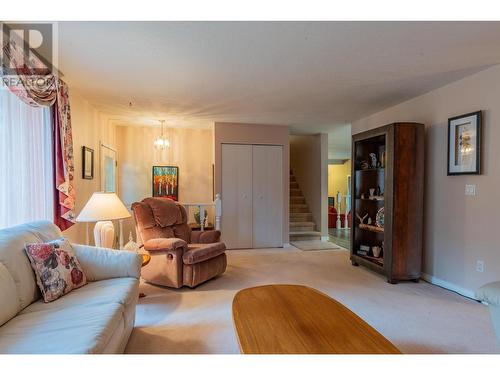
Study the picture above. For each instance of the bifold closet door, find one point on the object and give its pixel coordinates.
(267, 194)
(237, 228)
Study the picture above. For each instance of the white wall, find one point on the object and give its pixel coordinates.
(458, 229)
(309, 163)
(190, 149)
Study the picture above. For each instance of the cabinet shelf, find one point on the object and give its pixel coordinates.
(376, 264)
(377, 261)
(380, 170)
(371, 228)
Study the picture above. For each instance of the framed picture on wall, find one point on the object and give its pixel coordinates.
(87, 163)
(464, 144)
(166, 182)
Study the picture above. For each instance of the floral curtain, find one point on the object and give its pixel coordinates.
(37, 86)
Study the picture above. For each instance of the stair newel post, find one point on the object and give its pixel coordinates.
(347, 209)
(202, 217)
(339, 210)
(218, 211)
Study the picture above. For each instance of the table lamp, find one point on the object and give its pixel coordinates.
(101, 208)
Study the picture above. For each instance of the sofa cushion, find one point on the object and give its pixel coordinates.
(200, 252)
(56, 267)
(10, 305)
(122, 290)
(489, 293)
(182, 231)
(13, 257)
(206, 236)
(165, 211)
(83, 321)
(144, 215)
(164, 244)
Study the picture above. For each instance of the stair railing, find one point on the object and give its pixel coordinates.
(340, 199)
(217, 204)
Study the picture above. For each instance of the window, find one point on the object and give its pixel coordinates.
(26, 168)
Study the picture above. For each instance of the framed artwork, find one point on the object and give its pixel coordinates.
(87, 163)
(464, 144)
(166, 182)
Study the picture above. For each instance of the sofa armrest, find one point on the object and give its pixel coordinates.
(157, 245)
(101, 263)
(489, 293)
(207, 236)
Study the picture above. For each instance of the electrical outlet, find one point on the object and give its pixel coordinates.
(470, 190)
(480, 266)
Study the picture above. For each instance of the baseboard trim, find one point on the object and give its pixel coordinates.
(447, 285)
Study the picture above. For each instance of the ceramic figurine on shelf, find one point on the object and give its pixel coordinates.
(365, 165)
(372, 192)
(369, 222)
(376, 250)
(378, 192)
(361, 219)
(373, 160)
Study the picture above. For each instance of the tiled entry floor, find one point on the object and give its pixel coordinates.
(341, 237)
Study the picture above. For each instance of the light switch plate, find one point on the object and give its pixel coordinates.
(480, 266)
(470, 190)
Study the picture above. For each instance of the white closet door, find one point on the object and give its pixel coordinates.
(237, 196)
(267, 196)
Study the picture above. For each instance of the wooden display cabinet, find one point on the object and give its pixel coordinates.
(390, 160)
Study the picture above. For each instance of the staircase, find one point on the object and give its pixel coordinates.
(302, 228)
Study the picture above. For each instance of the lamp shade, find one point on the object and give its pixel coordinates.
(103, 206)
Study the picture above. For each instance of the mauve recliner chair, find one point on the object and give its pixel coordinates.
(179, 256)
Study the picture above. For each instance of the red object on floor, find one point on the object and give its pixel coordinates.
(332, 218)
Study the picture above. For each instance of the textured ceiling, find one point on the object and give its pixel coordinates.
(313, 76)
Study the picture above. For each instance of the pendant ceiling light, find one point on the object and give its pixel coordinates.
(161, 143)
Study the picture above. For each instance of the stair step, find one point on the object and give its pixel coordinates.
(305, 236)
(299, 208)
(295, 192)
(305, 233)
(301, 223)
(300, 216)
(302, 226)
(297, 199)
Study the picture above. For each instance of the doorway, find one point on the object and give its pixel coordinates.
(339, 202)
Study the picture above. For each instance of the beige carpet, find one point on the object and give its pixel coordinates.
(417, 318)
(314, 245)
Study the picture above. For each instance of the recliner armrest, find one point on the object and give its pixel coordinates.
(207, 236)
(164, 244)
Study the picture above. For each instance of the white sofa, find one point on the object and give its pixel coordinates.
(97, 318)
(490, 294)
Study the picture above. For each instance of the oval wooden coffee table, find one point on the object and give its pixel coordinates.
(295, 319)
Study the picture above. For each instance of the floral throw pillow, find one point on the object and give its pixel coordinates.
(56, 268)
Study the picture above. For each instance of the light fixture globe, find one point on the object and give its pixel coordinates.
(161, 142)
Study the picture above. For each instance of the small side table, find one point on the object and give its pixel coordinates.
(146, 258)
